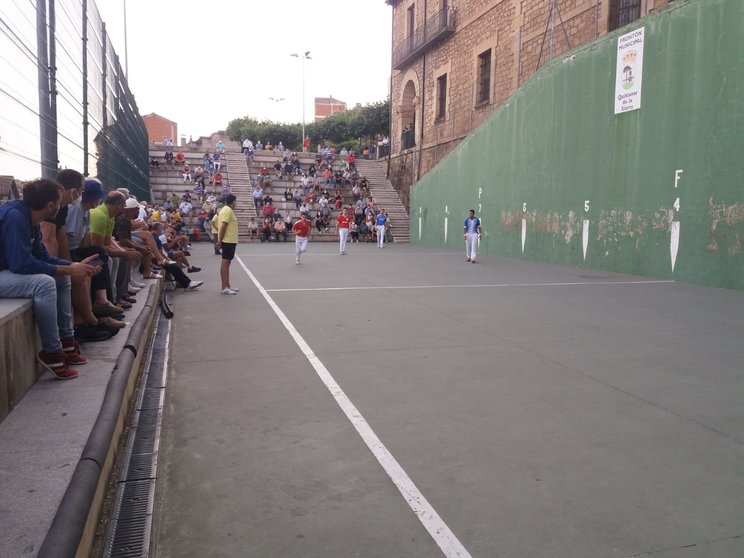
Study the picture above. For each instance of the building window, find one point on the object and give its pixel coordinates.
(483, 95)
(441, 97)
(411, 21)
(623, 12)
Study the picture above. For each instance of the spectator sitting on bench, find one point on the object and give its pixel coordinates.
(169, 159)
(174, 249)
(180, 158)
(252, 228)
(28, 271)
(217, 179)
(154, 163)
(201, 220)
(280, 229)
(266, 229)
(267, 210)
(258, 196)
(173, 269)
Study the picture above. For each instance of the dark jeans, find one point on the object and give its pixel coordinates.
(102, 280)
(179, 276)
(122, 279)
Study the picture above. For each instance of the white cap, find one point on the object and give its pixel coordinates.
(132, 203)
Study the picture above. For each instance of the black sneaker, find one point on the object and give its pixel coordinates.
(90, 334)
(194, 269)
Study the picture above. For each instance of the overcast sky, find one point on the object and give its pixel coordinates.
(202, 64)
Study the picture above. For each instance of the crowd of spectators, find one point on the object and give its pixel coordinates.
(82, 254)
(317, 189)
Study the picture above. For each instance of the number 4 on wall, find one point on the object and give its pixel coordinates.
(676, 204)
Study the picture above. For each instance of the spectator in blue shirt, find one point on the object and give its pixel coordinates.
(28, 271)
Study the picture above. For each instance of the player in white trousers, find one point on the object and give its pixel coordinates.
(301, 229)
(471, 232)
(343, 221)
(380, 222)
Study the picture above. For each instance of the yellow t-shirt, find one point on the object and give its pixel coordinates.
(231, 233)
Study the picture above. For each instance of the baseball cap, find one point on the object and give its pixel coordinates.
(132, 203)
(93, 190)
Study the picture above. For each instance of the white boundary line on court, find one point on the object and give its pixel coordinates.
(377, 288)
(437, 528)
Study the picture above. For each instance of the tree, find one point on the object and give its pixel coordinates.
(344, 128)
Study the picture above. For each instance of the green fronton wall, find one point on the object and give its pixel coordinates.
(556, 147)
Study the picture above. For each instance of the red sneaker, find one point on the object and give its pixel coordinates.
(56, 363)
(71, 348)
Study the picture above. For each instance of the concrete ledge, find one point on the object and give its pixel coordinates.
(74, 526)
(19, 342)
(60, 443)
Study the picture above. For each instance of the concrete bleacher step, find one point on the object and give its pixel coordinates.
(385, 195)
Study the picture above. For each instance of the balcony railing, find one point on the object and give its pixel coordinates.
(441, 25)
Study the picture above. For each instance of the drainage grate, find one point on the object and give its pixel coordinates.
(141, 467)
(130, 523)
(133, 519)
(151, 399)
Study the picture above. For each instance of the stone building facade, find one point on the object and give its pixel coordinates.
(455, 61)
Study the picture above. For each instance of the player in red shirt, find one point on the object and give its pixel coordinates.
(301, 229)
(343, 221)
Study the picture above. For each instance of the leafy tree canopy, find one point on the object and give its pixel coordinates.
(350, 128)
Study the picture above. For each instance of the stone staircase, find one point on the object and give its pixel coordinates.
(241, 186)
(386, 197)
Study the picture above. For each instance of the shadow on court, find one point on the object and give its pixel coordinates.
(538, 410)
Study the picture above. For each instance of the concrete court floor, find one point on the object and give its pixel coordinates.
(558, 412)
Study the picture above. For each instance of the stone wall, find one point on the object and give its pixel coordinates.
(522, 36)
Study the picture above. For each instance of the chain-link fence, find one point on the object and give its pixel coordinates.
(64, 97)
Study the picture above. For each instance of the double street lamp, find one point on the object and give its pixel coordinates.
(303, 57)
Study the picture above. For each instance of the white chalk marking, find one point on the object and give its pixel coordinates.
(437, 528)
(585, 236)
(392, 287)
(524, 233)
(674, 243)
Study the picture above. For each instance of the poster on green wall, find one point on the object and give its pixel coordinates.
(629, 72)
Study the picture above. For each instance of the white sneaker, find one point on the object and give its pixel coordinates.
(138, 285)
(227, 291)
(297, 261)
(237, 290)
(193, 285)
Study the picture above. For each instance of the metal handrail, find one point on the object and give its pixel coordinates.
(436, 27)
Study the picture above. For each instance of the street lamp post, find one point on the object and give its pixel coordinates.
(303, 57)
